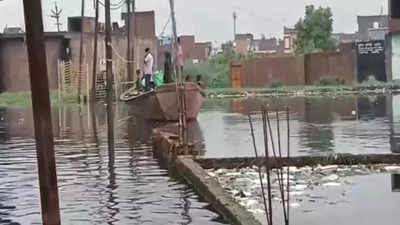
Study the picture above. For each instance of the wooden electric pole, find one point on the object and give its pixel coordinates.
(234, 25)
(42, 112)
(110, 117)
(81, 51)
(128, 50)
(95, 61)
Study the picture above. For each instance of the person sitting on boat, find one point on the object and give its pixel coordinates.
(139, 79)
(148, 68)
(188, 78)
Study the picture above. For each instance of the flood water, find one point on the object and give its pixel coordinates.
(318, 125)
(368, 200)
(132, 187)
(126, 187)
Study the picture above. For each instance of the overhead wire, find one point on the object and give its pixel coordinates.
(165, 26)
(116, 6)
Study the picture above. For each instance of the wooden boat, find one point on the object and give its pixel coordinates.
(162, 105)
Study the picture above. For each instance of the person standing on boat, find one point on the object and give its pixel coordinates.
(180, 56)
(148, 68)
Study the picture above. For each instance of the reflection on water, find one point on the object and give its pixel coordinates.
(319, 125)
(96, 186)
(365, 200)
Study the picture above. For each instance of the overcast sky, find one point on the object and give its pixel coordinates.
(211, 20)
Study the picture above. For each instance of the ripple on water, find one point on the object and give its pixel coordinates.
(132, 189)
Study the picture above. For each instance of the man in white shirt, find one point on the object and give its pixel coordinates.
(148, 68)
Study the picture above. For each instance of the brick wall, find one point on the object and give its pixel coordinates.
(338, 64)
(295, 70)
(263, 72)
(14, 70)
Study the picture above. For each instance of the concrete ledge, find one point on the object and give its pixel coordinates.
(338, 159)
(213, 193)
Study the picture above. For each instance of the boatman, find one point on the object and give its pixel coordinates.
(180, 56)
(148, 69)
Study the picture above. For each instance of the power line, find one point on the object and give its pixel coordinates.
(116, 6)
(165, 26)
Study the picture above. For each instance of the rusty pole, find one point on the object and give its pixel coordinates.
(94, 75)
(41, 112)
(110, 116)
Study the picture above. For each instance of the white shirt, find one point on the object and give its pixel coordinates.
(148, 64)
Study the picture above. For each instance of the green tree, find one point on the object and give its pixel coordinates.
(315, 31)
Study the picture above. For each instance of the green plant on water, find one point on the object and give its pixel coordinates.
(331, 81)
(276, 85)
(23, 99)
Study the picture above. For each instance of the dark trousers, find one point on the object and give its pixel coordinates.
(147, 78)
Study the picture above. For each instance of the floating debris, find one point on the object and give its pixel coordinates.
(245, 186)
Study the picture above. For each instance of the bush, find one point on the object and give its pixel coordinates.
(216, 71)
(331, 81)
(276, 85)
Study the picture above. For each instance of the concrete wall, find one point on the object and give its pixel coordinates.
(337, 64)
(263, 72)
(14, 68)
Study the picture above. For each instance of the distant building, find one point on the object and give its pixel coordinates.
(13, 30)
(289, 38)
(394, 16)
(194, 52)
(243, 43)
(227, 46)
(345, 38)
(373, 27)
(268, 46)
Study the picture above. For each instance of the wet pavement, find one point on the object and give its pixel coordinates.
(319, 125)
(128, 186)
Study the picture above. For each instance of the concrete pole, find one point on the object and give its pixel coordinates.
(41, 112)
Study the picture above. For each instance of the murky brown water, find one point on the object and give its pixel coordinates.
(319, 125)
(133, 189)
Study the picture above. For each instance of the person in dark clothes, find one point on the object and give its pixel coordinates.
(199, 81)
(188, 78)
(167, 68)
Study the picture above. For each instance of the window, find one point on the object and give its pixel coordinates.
(395, 9)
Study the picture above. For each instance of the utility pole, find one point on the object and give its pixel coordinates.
(56, 14)
(96, 31)
(81, 51)
(42, 112)
(133, 38)
(110, 117)
(234, 25)
(128, 50)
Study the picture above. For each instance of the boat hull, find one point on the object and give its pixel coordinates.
(162, 105)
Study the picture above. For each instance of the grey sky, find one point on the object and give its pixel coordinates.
(211, 20)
